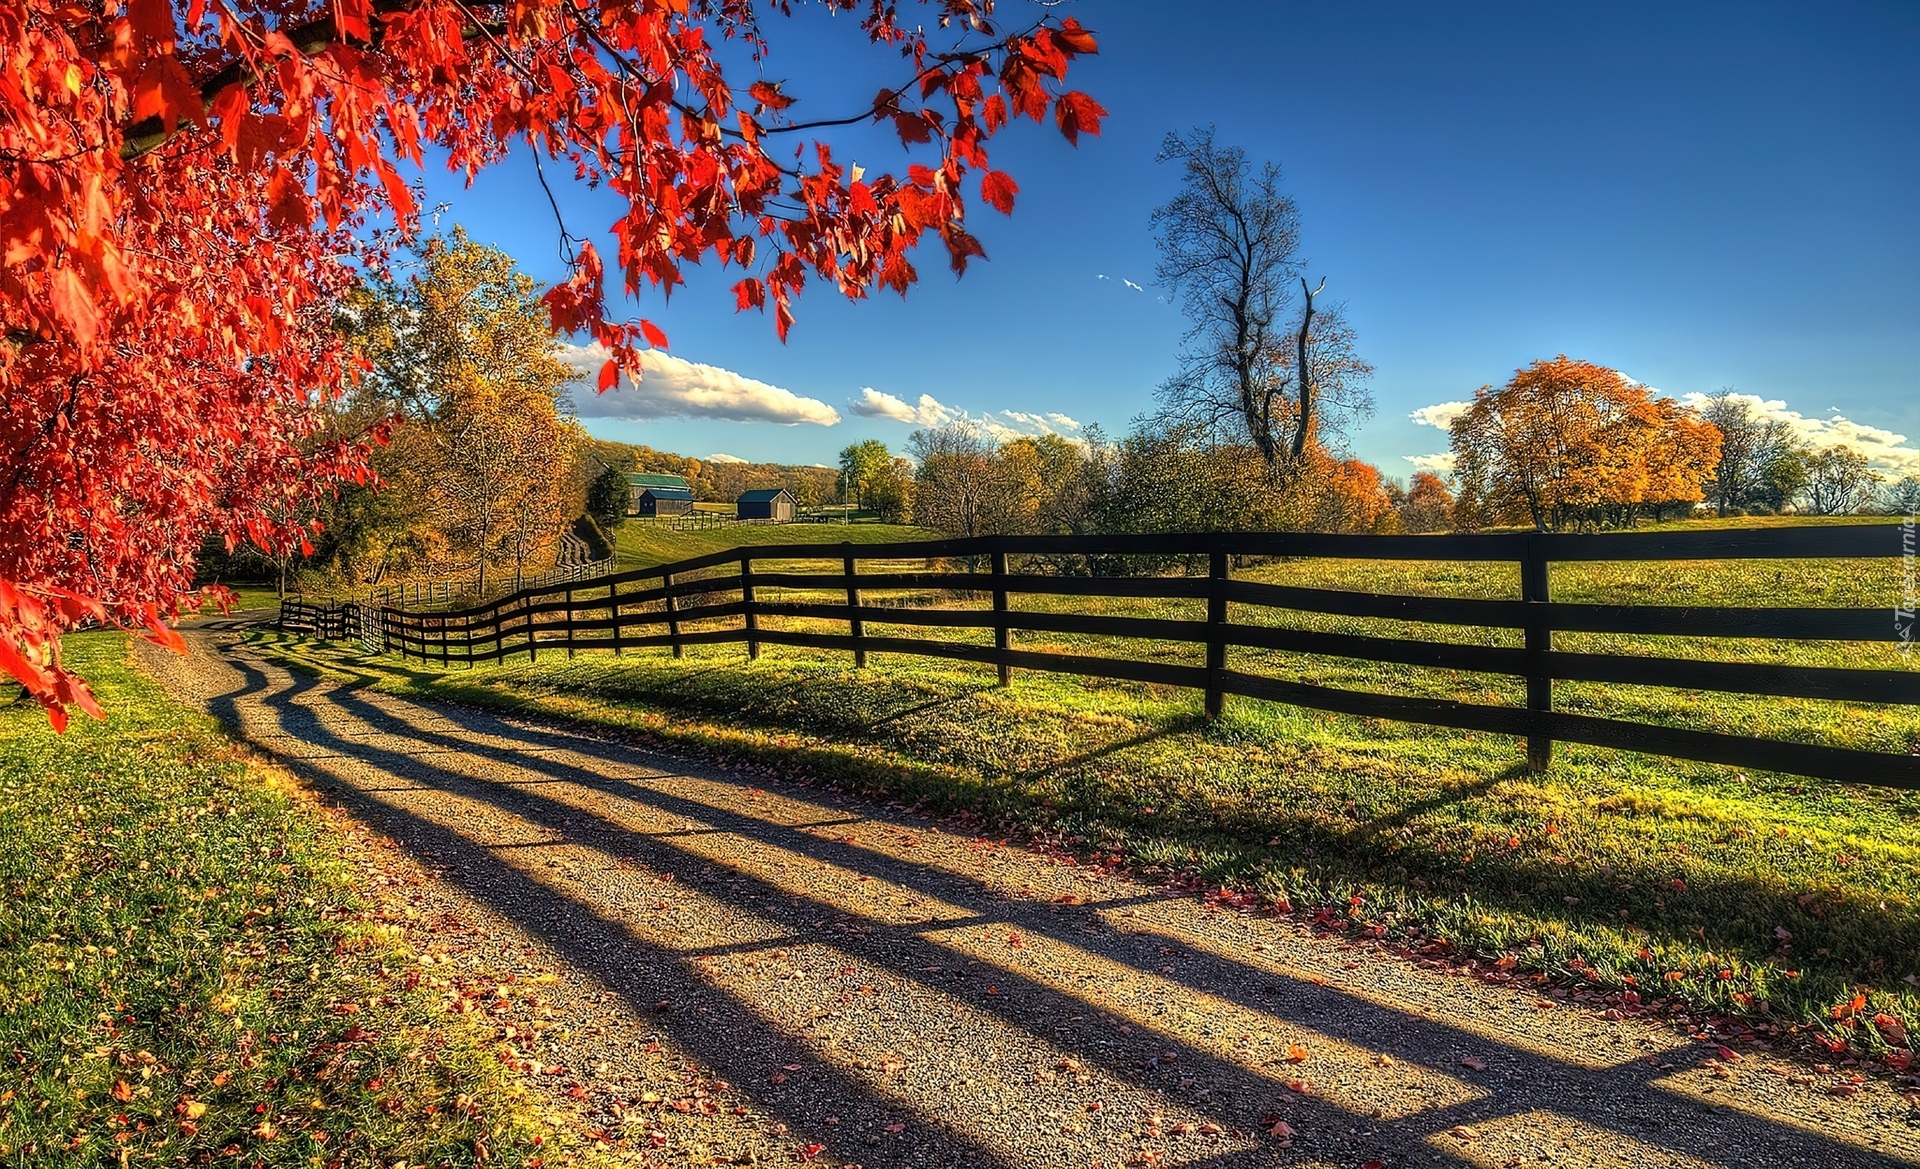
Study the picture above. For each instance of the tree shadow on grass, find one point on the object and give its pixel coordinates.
(1034, 1014)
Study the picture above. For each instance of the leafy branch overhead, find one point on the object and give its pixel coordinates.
(190, 188)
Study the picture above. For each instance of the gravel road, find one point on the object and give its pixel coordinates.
(723, 968)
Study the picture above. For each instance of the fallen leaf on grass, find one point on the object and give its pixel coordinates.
(1893, 1030)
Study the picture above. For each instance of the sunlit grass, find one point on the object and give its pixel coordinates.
(186, 970)
(642, 543)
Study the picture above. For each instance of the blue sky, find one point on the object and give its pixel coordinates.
(1700, 195)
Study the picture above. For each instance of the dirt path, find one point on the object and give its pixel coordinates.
(773, 974)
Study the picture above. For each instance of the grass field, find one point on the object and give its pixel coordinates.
(247, 598)
(642, 544)
(186, 971)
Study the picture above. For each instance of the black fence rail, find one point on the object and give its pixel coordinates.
(718, 599)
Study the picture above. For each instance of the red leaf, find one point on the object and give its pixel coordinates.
(654, 336)
(769, 95)
(1077, 113)
(1073, 39)
(912, 128)
(152, 23)
(998, 189)
(609, 376)
(286, 201)
(74, 306)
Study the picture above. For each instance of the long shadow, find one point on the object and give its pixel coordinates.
(1506, 881)
(1613, 1099)
(702, 1020)
(1505, 884)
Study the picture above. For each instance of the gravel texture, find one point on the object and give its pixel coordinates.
(715, 967)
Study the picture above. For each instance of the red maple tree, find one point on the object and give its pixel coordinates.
(188, 186)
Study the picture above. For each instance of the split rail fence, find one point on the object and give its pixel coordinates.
(721, 598)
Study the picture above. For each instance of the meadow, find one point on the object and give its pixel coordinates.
(1767, 895)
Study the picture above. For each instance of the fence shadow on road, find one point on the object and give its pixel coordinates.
(465, 776)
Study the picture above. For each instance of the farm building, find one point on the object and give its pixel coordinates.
(658, 501)
(639, 482)
(770, 503)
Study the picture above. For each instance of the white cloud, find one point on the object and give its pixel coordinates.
(723, 457)
(1440, 414)
(1440, 464)
(671, 387)
(873, 404)
(1004, 426)
(1886, 451)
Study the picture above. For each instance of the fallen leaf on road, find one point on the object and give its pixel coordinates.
(1296, 1053)
(1474, 1063)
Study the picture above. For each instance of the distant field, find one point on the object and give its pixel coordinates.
(248, 597)
(643, 545)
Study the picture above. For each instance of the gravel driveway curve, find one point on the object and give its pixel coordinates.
(735, 970)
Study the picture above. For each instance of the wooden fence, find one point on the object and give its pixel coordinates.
(718, 598)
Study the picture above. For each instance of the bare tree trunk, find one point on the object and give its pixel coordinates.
(1303, 371)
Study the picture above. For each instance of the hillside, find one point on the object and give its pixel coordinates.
(720, 481)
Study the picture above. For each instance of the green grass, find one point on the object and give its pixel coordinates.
(644, 544)
(1757, 893)
(186, 971)
(247, 598)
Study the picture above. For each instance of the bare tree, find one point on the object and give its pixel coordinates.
(1902, 497)
(1755, 451)
(1839, 482)
(1278, 372)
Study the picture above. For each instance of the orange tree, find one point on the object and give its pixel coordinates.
(1570, 442)
(189, 187)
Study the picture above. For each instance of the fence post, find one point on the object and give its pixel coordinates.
(746, 598)
(613, 611)
(443, 640)
(533, 635)
(673, 622)
(569, 621)
(499, 637)
(1216, 633)
(855, 626)
(1002, 636)
(1539, 635)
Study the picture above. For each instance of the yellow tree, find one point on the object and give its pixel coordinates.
(479, 474)
(1570, 442)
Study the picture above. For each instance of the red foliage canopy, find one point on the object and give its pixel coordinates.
(186, 187)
